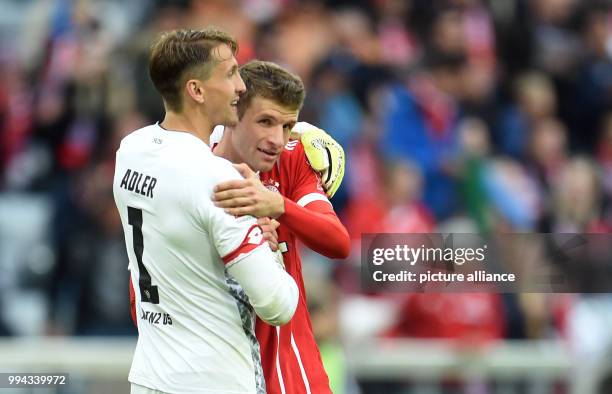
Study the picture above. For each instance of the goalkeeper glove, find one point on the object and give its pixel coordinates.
(325, 155)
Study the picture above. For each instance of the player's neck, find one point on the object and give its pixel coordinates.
(225, 149)
(192, 123)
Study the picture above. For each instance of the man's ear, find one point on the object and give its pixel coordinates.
(195, 90)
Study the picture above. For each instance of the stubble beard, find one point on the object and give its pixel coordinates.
(231, 120)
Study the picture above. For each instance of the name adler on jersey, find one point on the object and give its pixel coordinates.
(137, 182)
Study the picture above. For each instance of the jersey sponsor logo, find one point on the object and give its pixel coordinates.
(254, 236)
(252, 239)
(271, 185)
(138, 182)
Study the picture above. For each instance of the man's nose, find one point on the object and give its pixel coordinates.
(275, 137)
(239, 85)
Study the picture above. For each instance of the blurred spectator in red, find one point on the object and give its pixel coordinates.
(399, 46)
(15, 112)
(471, 317)
(398, 209)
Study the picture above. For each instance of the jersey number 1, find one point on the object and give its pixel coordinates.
(148, 292)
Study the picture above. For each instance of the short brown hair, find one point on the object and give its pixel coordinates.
(176, 54)
(270, 81)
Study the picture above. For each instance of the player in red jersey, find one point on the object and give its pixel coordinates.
(290, 191)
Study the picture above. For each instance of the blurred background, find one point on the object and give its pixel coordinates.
(490, 116)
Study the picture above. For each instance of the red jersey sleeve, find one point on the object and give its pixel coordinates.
(307, 208)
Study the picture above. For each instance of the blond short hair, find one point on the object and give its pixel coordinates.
(176, 56)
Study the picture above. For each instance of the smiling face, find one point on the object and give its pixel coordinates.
(261, 135)
(223, 88)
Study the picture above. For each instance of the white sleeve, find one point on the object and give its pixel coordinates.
(239, 241)
(272, 291)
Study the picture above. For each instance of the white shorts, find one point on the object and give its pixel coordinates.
(138, 389)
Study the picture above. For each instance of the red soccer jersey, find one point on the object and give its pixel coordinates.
(289, 354)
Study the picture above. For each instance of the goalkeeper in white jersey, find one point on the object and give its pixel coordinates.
(199, 273)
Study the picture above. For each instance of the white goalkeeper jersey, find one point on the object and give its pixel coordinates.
(195, 323)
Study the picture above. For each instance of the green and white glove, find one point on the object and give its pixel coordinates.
(325, 155)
